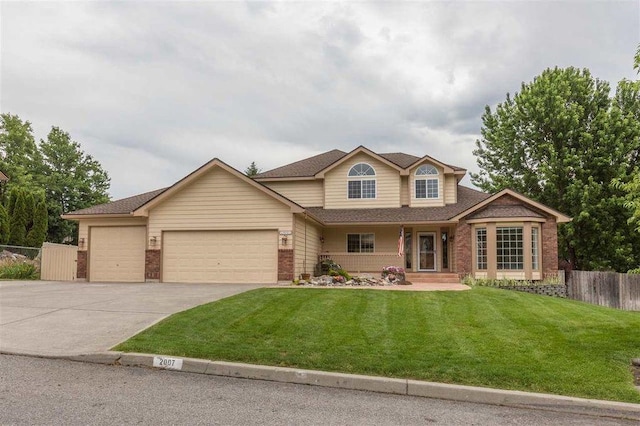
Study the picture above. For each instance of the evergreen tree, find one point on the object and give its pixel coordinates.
(18, 220)
(252, 170)
(38, 232)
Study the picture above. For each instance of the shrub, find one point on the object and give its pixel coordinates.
(634, 271)
(19, 271)
(339, 272)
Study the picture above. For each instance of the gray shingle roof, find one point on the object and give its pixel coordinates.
(311, 166)
(122, 206)
(467, 198)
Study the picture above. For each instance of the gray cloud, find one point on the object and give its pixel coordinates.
(155, 89)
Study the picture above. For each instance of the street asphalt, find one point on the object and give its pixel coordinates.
(82, 321)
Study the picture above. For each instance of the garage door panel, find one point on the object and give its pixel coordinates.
(117, 253)
(220, 256)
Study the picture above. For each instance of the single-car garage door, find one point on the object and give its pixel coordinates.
(220, 257)
(116, 253)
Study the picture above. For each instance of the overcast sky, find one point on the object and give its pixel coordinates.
(155, 89)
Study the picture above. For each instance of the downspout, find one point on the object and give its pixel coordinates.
(304, 262)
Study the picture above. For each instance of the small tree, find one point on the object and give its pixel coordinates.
(252, 170)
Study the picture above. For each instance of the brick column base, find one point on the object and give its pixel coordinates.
(81, 265)
(152, 264)
(285, 265)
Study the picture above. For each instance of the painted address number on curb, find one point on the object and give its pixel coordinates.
(170, 363)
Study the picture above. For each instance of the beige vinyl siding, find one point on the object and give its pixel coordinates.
(311, 242)
(386, 238)
(450, 190)
(307, 193)
(385, 248)
(219, 201)
(404, 191)
(84, 224)
(426, 202)
(387, 185)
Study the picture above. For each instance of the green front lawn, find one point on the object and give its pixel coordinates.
(484, 337)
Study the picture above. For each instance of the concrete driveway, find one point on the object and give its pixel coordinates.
(71, 318)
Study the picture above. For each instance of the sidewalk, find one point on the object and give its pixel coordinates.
(538, 401)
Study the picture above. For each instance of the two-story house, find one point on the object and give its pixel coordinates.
(362, 209)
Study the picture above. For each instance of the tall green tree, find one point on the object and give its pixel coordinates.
(560, 142)
(18, 219)
(628, 102)
(37, 233)
(4, 225)
(252, 170)
(73, 180)
(19, 154)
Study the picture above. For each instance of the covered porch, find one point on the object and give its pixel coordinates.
(419, 248)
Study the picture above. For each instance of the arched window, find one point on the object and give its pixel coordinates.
(426, 169)
(426, 187)
(362, 181)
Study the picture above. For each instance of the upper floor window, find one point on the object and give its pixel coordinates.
(362, 181)
(426, 187)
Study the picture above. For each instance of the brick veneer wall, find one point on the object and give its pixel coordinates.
(152, 264)
(550, 247)
(81, 266)
(462, 244)
(285, 265)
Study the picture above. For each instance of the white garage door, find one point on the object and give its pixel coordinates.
(116, 253)
(220, 257)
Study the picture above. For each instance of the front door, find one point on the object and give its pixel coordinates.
(427, 251)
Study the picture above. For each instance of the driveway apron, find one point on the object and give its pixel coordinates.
(71, 318)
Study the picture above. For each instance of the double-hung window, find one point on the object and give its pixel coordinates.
(481, 248)
(360, 243)
(426, 184)
(361, 181)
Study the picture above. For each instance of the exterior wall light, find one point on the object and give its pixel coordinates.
(81, 243)
(153, 241)
(284, 240)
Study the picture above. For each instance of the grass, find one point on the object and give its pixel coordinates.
(483, 337)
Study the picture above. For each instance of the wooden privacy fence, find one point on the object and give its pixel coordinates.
(610, 289)
(58, 262)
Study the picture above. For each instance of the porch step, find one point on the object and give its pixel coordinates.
(432, 277)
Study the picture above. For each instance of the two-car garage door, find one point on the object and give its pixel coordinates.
(117, 254)
(220, 256)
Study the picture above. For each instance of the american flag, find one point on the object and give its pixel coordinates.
(401, 242)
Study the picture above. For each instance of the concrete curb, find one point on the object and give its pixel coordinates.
(537, 401)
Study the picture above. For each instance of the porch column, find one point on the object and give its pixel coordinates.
(492, 251)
